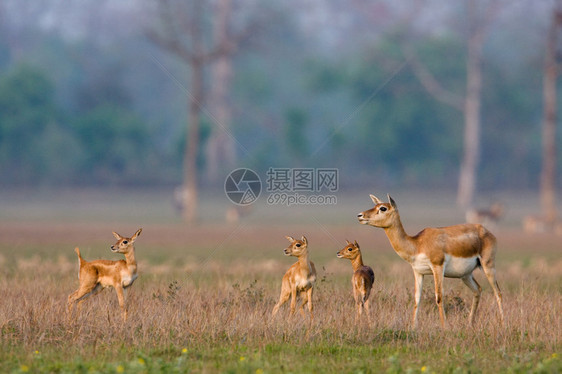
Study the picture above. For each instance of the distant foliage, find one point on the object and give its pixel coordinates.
(40, 144)
(116, 142)
(295, 133)
(28, 120)
(111, 109)
(404, 132)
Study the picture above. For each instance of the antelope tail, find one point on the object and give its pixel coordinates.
(80, 259)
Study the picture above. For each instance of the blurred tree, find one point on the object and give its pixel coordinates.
(403, 134)
(510, 139)
(221, 150)
(479, 15)
(204, 135)
(550, 80)
(184, 34)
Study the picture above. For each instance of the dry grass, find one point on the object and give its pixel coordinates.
(211, 293)
(203, 299)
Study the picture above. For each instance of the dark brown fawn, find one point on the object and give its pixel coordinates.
(362, 280)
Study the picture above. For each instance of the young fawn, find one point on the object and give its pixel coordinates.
(452, 252)
(299, 279)
(363, 277)
(98, 274)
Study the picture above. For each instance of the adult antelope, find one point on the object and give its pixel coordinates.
(452, 252)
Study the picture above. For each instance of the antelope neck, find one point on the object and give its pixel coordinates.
(357, 262)
(401, 242)
(303, 261)
(130, 258)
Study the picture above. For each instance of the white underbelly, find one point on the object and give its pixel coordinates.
(454, 267)
(458, 267)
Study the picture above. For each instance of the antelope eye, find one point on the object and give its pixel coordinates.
(382, 209)
(125, 242)
(298, 244)
(350, 249)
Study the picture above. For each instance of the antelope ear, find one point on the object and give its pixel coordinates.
(357, 244)
(347, 241)
(117, 236)
(136, 234)
(375, 199)
(303, 238)
(290, 238)
(392, 202)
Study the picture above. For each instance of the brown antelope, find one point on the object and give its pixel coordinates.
(235, 213)
(299, 279)
(363, 277)
(536, 224)
(486, 217)
(98, 274)
(540, 224)
(452, 252)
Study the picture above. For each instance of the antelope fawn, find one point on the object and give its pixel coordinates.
(541, 224)
(486, 217)
(299, 279)
(98, 274)
(453, 252)
(363, 277)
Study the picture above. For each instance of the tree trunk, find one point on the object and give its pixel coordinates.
(471, 155)
(187, 22)
(190, 195)
(220, 149)
(548, 173)
(190, 182)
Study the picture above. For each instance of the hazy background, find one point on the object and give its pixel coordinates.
(88, 99)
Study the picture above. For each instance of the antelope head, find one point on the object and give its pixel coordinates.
(350, 251)
(381, 215)
(297, 247)
(124, 245)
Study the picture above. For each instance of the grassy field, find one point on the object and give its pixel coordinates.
(203, 299)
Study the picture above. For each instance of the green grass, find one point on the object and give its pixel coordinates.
(390, 351)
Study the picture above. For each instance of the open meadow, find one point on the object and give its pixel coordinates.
(203, 299)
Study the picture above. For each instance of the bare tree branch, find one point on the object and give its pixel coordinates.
(430, 83)
(230, 45)
(170, 44)
(170, 38)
